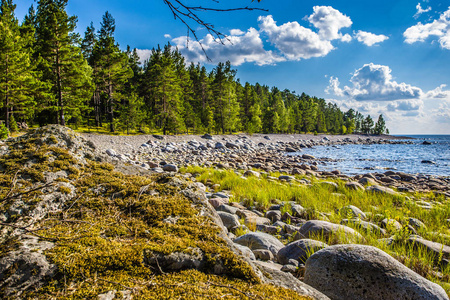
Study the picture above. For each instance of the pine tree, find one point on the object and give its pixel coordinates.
(111, 70)
(255, 123)
(367, 125)
(130, 111)
(17, 80)
(380, 126)
(62, 65)
(226, 114)
(88, 42)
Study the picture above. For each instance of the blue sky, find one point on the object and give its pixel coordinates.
(389, 57)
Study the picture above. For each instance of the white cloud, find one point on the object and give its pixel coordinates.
(329, 21)
(346, 38)
(333, 87)
(295, 42)
(420, 10)
(236, 48)
(289, 41)
(144, 54)
(406, 108)
(236, 32)
(368, 38)
(439, 28)
(405, 105)
(374, 83)
(438, 93)
(167, 36)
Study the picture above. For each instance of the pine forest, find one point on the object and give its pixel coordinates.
(49, 74)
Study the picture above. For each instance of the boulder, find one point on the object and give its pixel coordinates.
(263, 254)
(299, 250)
(364, 226)
(314, 228)
(273, 215)
(366, 181)
(391, 225)
(250, 173)
(227, 208)
(436, 250)
(381, 190)
(228, 220)
(366, 272)
(260, 240)
(352, 185)
(351, 211)
(279, 278)
(417, 224)
(170, 168)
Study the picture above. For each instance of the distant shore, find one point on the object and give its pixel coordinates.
(136, 140)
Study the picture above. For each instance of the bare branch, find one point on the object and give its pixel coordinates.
(186, 13)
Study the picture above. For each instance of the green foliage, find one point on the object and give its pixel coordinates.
(51, 75)
(13, 124)
(104, 234)
(380, 126)
(319, 203)
(4, 132)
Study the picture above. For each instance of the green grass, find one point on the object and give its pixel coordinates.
(261, 193)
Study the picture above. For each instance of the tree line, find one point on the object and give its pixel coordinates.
(50, 74)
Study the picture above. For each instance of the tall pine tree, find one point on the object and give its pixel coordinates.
(112, 69)
(62, 65)
(17, 80)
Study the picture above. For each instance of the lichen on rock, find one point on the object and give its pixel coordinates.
(83, 229)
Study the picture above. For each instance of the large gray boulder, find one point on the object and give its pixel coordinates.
(299, 250)
(317, 228)
(365, 272)
(260, 240)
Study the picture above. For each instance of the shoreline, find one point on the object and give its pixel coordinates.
(264, 153)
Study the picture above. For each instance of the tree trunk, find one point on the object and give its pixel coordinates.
(6, 104)
(110, 104)
(59, 87)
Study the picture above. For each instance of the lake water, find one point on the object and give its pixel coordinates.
(359, 159)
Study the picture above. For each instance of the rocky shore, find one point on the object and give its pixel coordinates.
(267, 153)
(72, 226)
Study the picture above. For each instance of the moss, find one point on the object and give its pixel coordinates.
(105, 230)
(9, 244)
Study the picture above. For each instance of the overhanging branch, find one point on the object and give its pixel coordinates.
(186, 13)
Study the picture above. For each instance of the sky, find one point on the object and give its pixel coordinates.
(379, 57)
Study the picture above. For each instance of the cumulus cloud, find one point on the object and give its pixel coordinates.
(294, 41)
(375, 83)
(167, 36)
(438, 93)
(405, 105)
(420, 10)
(236, 32)
(369, 39)
(333, 87)
(240, 48)
(329, 21)
(289, 41)
(439, 28)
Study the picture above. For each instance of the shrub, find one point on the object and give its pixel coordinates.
(4, 132)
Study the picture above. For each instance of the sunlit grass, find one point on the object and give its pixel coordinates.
(263, 192)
